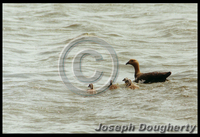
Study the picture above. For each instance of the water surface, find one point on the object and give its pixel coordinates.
(162, 37)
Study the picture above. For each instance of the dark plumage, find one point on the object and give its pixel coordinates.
(150, 77)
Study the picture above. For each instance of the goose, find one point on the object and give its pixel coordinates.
(150, 77)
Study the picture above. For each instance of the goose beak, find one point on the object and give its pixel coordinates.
(127, 63)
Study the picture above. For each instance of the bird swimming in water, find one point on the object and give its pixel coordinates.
(126, 80)
(91, 90)
(150, 77)
(111, 86)
(129, 84)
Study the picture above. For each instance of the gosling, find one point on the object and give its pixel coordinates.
(126, 81)
(91, 90)
(129, 84)
(111, 86)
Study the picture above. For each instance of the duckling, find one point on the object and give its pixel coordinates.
(91, 90)
(126, 81)
(132, 85)
(129, 84)
(111, 86)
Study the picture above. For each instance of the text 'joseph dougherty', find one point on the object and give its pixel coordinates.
(148, 128)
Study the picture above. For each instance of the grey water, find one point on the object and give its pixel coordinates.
(162, 37)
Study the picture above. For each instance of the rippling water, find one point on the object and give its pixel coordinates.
(162, 37)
